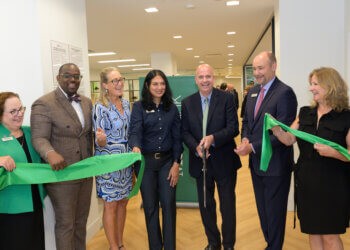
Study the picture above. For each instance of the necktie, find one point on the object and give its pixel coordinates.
(260, 99)
(205, 115)
(74, 98)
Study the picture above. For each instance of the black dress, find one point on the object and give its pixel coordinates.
(322, 183)
(24, 231)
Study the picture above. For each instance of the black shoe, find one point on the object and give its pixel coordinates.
(212, 247)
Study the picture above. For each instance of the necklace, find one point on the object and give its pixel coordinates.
(119, 106)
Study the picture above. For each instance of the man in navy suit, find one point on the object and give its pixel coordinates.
(222, 163)
(271, 188)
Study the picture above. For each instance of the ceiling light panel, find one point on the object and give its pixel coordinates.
(133, 65)
(230, 33)
(102, 54)
(151, 10)
(117, 61)
(232, 3)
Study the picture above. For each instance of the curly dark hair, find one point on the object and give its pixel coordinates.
(146, 97)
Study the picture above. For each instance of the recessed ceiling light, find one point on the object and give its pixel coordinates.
(117, 61)
(232, 3)
(230, 46)
(230, 60)
(196, 56)
(230, 32)
(142, 69)
(151, 10)
(177, 37)
(230, 54)
(133, 65)
(201, 61)
(101, 54)
(189, 6)
(229, 67)
(189, 49)
(230, 64)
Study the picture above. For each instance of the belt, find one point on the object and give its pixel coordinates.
(158, 155)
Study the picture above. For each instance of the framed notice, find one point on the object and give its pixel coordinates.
(59, 56)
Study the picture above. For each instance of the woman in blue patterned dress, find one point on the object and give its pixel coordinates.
(111, 116)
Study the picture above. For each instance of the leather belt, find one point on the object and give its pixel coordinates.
(158, 155)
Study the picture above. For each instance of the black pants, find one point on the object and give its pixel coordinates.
(227, 197)
(23, 231)
(155, 189)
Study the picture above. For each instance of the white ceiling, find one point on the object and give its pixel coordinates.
(124, 27)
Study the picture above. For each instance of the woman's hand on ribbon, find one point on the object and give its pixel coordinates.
(7, 162)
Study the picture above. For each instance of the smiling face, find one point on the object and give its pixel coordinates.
(13, 115)
(205, 79)
(263, 69)
(157, 88)
(68, 79)
(318, 92)
(114, 84)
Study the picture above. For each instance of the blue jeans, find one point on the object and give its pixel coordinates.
(155, 189)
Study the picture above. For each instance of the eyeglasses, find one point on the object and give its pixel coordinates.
(15, 112)
(69, 76)
(116, 81)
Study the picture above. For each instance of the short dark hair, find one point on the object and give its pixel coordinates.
(223, 86)
(3, 97)
(66, 65)
(146, 97)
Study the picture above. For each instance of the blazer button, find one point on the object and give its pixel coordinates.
(78, 152)
(67, 126)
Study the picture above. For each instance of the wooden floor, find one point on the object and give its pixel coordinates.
(190, 233)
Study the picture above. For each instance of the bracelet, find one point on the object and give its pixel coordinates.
(48, 151)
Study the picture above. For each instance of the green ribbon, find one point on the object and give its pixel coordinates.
(266, 152)
(38, 173)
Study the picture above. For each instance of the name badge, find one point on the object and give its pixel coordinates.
(10, 138)
(150, 111)
(254, 95)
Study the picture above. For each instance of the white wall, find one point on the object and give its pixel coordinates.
(27, 27)
(20, 62)
(309, 34)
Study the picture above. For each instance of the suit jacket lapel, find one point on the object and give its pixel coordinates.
(85, 107)
(197, 106)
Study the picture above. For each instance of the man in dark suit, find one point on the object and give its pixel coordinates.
(61, 134)
(222, 163)
(271, 188)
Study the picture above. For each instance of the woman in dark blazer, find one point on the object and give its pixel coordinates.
(21, 213)
(155, 132)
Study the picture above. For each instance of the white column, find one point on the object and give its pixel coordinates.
(308, 35)
(165, 62)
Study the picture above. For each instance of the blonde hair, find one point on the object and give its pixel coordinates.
(336, 88)
(103, 98)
